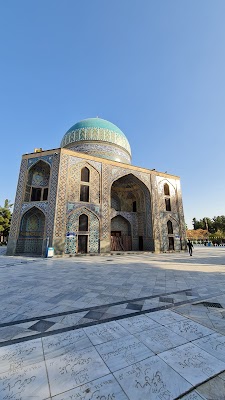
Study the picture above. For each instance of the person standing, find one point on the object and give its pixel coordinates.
(190, 247)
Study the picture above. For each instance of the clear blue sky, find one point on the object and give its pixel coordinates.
(154, 68)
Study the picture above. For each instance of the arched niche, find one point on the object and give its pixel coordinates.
(31, 234)
(130, 198)
(121, 239)
(127, 190)
(83, 223)
(37, 185)
(166, 189)
(85, 174)
(83, 183)
(169, 227)
(79, 239)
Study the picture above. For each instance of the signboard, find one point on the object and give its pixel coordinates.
(70, 234)
(177, 236)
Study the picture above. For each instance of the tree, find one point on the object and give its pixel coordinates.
(219, 223)
(5, 219)
(214, 225)
(205, 223)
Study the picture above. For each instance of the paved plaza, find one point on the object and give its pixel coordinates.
(115, 327)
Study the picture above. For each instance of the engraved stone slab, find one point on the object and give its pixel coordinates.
(27, 383)
(160, 339)
(138, 323)
(151, 379)
(59, 344)
(193, 363)
(120, 353)
(105, 332)
(190, 330)
(165, 317)
(74, 369)
(105, 388)
(213, 344)
(17, 356)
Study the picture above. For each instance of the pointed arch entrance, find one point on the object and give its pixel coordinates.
(130, 200)
(120, 234)
(82, 232)
(31, 235)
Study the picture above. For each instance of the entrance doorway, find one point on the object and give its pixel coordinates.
(82, 243)
(116, 233)
(31, 235)
(141, 243)
(171, 243)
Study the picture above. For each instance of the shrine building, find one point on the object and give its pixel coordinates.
(87, 197)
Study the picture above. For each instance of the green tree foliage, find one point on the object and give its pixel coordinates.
(5, 218)
(214, 225)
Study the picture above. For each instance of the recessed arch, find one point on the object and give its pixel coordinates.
(120, 234)
(37, 161)
(130, 198)
(168, 182)
(169, 227)
(37, 184)
(89, 189)
(120, 224)
(76, 231)
(83, 223)
(166, 189)
(85, 174)
(31, 234)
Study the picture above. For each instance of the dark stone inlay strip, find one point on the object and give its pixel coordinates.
(96, 322)
(76, 311)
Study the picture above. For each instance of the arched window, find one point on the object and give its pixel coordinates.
(166, 190)
(37, 182)
(170, 228)
(83, 223)
(85, 174)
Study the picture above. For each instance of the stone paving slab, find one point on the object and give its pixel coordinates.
(158, 344)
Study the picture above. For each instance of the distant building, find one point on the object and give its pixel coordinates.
(86, 197)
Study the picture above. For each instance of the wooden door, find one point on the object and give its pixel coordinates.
(82, 243)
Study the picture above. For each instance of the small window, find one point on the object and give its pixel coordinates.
(166, 190)
(168, 205)
(170, 227)
(45, 194)
(85, 174)
(84, 193)
(83, 223)
(36, 194)
(134, 206)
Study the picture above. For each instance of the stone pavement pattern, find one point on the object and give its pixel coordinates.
(113, 327)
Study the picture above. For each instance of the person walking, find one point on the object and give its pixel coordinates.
(190, 247)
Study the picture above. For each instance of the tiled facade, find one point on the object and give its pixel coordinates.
(131, 199)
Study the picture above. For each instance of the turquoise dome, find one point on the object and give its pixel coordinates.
(100, 138)
(96, 123)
